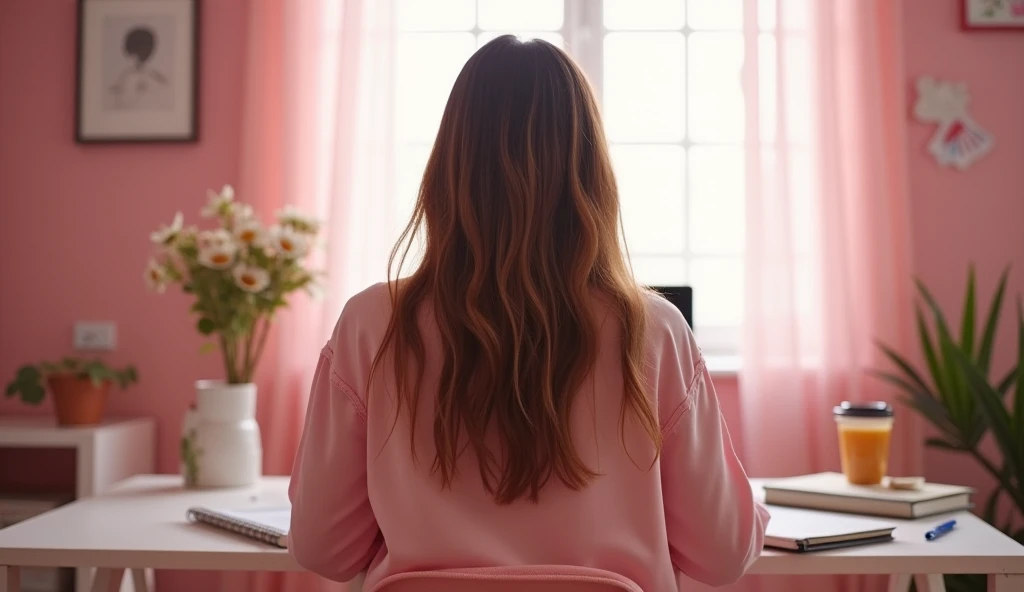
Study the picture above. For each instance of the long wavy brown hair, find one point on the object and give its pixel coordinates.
(520, 215)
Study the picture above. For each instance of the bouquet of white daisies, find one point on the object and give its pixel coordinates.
(239, 273)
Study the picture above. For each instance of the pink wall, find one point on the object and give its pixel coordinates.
(75, 220)
(978, 215)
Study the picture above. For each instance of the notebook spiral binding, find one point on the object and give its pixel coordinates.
(243, 527)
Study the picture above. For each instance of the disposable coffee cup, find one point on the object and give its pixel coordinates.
(865, 431)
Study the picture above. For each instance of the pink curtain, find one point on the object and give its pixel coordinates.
(317, 135)
(828, 244)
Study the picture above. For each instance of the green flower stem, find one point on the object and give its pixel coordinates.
(247, 355)
(250, 365)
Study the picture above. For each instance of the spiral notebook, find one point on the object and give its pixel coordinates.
(268, 525)
(806, 530)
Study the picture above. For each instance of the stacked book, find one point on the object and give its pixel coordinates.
(803, 519)
(831, 491)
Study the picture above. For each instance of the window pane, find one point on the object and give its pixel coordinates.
(798, 82)
(436, 15)
(410, 162)
(715, 14)
(649, 14)
(526, 15)
(767, 87)
(716, 92)
(717, 291)
(643, 86)
(428, 64)
(716, 215)
(659, 271)
(795, 15)
(766, 14)
(553, 38)
(650, 180)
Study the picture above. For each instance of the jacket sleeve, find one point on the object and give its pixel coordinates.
(333, 530)
(715, 526)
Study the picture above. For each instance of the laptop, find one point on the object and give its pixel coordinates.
(681, 297)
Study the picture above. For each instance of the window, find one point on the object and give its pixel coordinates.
(668, 75)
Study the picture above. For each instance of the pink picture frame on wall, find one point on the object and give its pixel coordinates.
(992, 15)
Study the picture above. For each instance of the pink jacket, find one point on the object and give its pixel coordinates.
(360, 502)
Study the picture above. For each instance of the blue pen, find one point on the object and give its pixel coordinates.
(939, 530)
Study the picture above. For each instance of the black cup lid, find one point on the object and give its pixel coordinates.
(866, 409)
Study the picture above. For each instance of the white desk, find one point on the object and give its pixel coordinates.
(141, 524)
(105, 454)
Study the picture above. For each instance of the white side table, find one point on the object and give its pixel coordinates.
(104, 454)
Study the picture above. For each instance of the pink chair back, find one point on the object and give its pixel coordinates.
(529, 578)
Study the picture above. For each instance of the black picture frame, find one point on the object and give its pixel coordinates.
(93, 128)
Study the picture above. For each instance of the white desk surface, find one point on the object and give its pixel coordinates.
(141, 523)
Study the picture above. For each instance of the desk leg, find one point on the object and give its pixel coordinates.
(930, 583)
(899, 582)
(142, 580)
(107, 579)
(1005, 582)
(10, 579)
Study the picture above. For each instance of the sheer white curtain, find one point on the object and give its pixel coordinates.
(318, 135)
(827, 243)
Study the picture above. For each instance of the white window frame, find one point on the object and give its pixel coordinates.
(583, 32)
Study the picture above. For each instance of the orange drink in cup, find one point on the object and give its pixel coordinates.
(864, 433)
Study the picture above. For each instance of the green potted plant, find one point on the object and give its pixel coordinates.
(79, 387)
(956, 393)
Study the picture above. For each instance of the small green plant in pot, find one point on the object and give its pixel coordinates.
(957, 394)
(79, 387)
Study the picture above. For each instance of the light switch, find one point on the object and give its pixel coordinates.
(95, 335)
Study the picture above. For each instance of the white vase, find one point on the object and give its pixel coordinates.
(228, 449)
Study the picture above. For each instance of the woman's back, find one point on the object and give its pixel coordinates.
(377, 506)
(518, 398)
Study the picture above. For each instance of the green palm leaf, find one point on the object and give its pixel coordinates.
(940, 443)
(1007, 381)
(989, 513)
(991, 403)
(927, 405)
(904, 365)
(958, 399)
(988, 337)
(1018, 403)
(967, 320)
(929, 353)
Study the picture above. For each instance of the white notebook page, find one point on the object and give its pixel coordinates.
(277, 518)
(798, 524)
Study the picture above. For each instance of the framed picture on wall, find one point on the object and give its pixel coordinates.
(993, 15)
(138, 71)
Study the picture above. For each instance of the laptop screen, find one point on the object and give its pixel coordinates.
(681, 297)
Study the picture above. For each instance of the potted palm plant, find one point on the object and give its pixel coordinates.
(958, 395)
(79, 387)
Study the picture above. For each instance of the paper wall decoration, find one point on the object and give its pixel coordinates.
(958, 140)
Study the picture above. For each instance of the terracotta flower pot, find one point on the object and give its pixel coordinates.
(77, 401)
